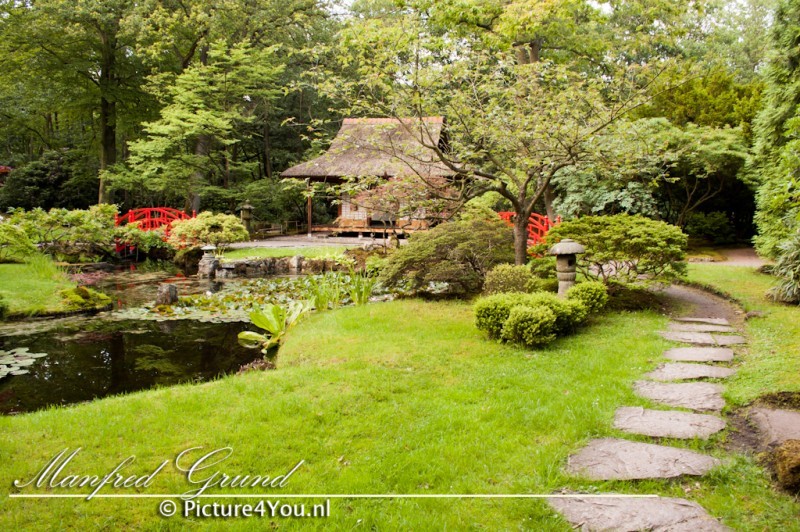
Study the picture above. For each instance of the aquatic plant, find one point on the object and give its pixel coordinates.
(277, 321)
(17, 360)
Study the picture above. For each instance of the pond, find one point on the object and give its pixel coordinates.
(86, 358)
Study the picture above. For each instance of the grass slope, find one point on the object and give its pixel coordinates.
(32, 288)
(400, 397)
(309, 252)
(772, 357)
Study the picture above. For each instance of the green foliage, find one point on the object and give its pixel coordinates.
(277, 321)
(508, 278)
(775, 161)
(712, 226)
(132, 235)
(327, 290)
(361, 287)
(208, 228)
(625, 248)
(70, 234)
(15, 246)
(530, 326)
(56, 179)
(593, 295)
(543, 267)
(451, 259)
(787, 270)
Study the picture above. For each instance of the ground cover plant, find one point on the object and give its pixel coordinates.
(400, 397)
(770, 362)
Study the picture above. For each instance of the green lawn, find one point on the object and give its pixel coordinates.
(310, 252)
(33, 288)
(400, 397)
(772, 357)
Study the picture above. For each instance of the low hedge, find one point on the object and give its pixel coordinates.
(538, 318)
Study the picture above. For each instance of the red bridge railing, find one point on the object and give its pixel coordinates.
(538, 225)
(150, 219)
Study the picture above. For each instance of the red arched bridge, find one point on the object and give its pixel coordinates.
(150, 219)
(538, 225)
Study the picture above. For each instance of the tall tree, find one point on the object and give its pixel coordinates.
(516, 115)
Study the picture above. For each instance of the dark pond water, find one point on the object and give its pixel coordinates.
(93, 357)
(100, 358)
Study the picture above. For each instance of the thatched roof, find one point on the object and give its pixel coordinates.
(378, 147)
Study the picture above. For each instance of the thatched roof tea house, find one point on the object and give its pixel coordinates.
(383, 147)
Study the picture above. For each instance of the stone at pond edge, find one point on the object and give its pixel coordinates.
(167, 294)
(775, 425)
(787, 465)
(616, 459)
(666, 423)
(634, 514)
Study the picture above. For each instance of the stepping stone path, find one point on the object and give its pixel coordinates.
(629, 515)
(699, 327)
(666, 424)
(679, 371)
(614, 459)
(699, 354)
(702, 338)
(700, 396)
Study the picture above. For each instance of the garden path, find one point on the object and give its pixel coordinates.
(706, 320)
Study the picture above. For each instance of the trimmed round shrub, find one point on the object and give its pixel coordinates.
(569, 313)
(530, 326)
(508, 278)
(491, 312)
(593, 294)
(543, 285)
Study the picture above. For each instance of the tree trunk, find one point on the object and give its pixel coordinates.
(108, 110)
(108, 143)
(520, 239)
(549, 196)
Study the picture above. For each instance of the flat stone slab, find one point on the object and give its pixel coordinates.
(775, 425)
(615, 459)
(666, 424)
(634, 514)
(679, 371)
(699, 354)
(712, 321)
(702, 338)
(683, 326)
(701, 396)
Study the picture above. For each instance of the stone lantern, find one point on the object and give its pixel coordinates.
(246, 215)
(207, 267)
(566, 253)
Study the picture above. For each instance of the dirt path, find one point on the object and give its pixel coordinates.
(690, 301)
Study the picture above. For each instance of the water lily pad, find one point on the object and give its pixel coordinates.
(20, 372)
(37, 355)
(25, 362)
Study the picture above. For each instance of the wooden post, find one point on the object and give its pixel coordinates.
(308, 214)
